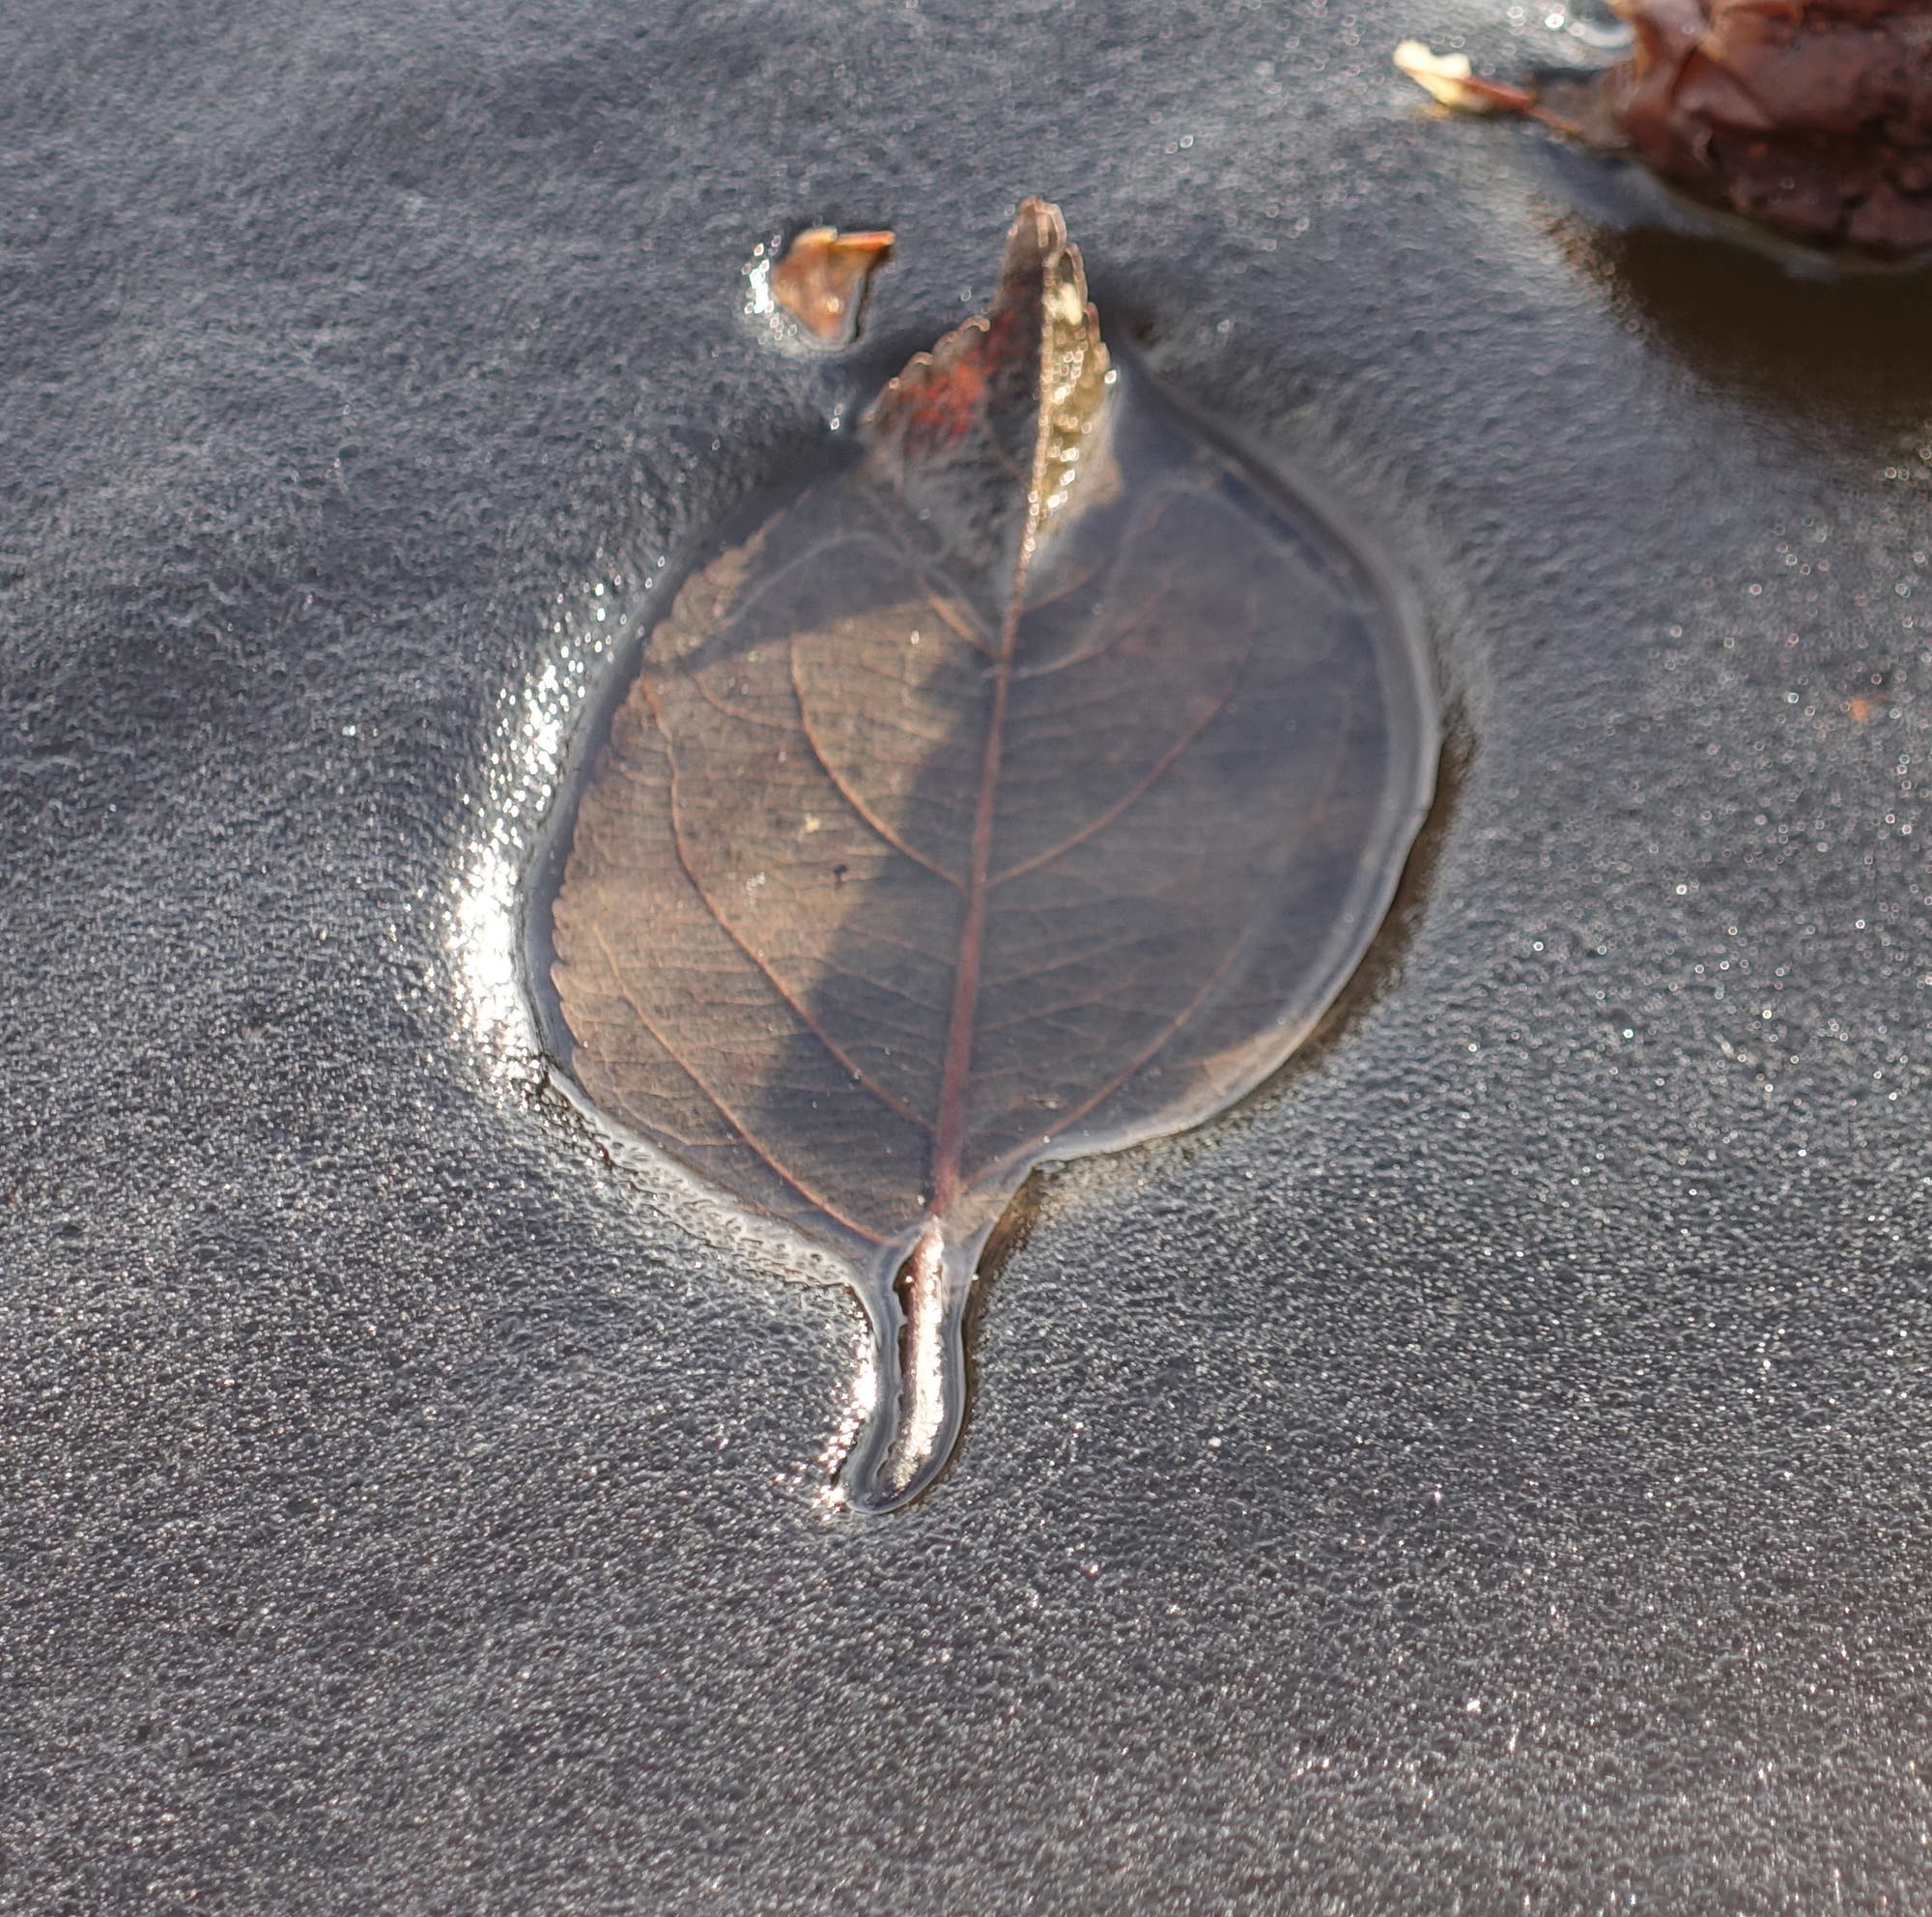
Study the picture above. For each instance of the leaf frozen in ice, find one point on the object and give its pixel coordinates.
(1027, 786)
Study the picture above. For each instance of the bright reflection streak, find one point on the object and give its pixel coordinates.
(759, 301)
(483, 920)
(828, 1494)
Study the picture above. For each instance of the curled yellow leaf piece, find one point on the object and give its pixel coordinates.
(1446, 78)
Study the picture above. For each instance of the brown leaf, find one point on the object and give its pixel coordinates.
(822, 277)
(1025, 788)
(1812, 117)
(1815, 118)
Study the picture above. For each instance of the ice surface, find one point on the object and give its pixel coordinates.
(399, 1514)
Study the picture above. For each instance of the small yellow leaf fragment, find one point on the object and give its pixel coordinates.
(1444, 76)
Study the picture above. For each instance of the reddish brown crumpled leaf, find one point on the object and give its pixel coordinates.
(1815, 118)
